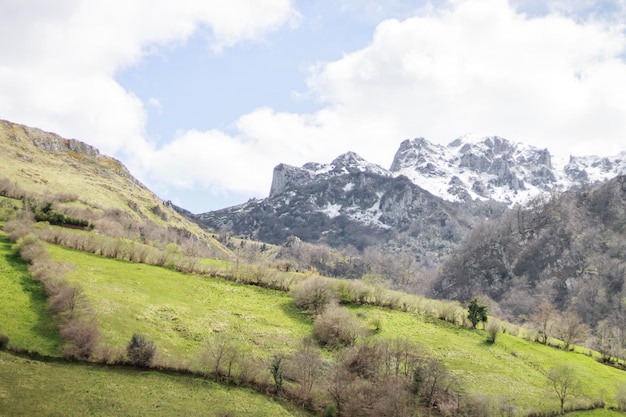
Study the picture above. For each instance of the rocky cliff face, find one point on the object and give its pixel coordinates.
(483, 168)
(287, 177)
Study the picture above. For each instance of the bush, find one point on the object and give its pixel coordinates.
(336, 327)
(4, 341)
(313, 294)
(81, 338)
(493, 328)
(620, 397)
(140, 351)
(30, 248)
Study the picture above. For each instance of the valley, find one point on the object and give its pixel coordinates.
(247, 318)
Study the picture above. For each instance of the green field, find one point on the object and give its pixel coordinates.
(180, 311)
(30, 388)
(23, 313)
(512, 367)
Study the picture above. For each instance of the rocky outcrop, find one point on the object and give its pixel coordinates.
(286, 177)
(47, 141)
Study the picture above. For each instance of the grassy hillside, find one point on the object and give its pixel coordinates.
(179, 311)
(188, 316)
(46, 166)
(29, 388)
(23, 312)
(512, 367)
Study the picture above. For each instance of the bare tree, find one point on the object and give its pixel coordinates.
(620, 397)
(81, 336)
(571, 329)
(220, 354)
(306, 366)
(563, 380)
(544, 321)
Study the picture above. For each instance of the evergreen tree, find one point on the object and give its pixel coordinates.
(476, 313)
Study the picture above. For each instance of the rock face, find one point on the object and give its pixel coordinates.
(287, 177)
(47, 141)
(483, 168)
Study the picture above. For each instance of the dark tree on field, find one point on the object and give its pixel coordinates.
(277, 370)
(140, 351)
(476, 313)
(563, 380)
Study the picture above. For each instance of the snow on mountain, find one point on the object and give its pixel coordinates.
(482, 168)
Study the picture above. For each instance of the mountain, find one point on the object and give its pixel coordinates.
(483, 168)
(82, 182)
(424, 204)
(567, 250)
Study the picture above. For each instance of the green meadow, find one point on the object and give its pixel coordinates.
(511, 367)
(178, 311)
(23, 312)
(32, 388)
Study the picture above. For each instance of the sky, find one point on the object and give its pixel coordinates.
(201, 99)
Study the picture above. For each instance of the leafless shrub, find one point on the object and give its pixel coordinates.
(353, 291)
(220, 355)
(19, 228)
(493, 328)
(313, 294)
(31, 248)
(81, 338)
(11, 189)
(305, 367)
(109, 354)
(449, 311)
(620, 397)
(337, 327)
(66, 299)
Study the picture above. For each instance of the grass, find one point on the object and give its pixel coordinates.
(23, 310)
(596, 413)
(29, 388)
(180, 311)
(511, 367)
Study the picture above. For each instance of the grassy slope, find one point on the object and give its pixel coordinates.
(101, 182)
(51, 389)
(131, 298)
(23, 314)
(180, 311)
(511, 367)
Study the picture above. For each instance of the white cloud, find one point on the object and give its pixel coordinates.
(58, 59)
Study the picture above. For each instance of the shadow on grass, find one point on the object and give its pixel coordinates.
(295, 313)
(43, 325)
